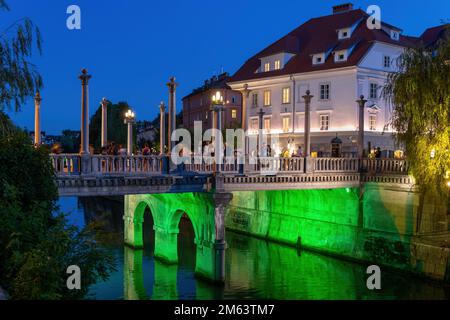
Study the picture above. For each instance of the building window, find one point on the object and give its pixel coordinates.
(387, 61)
(277, 64)
(267, 124)
(325, 91)
(267, 66)
(233, 114)
(286, 124)
(373, 91)
(233, 99)
(254, 124)
(206, 115)
(286, 95)
(267, 98)
(254, 99)
(324, 122)
(372, 122)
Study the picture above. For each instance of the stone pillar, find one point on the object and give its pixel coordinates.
(84, 77)
(211, 254)
(162, 127)
(245, 95)
(104, 139)
(361, 104)
(218, 140)
(130, 138)
(308, 164)
(260, 130)
(37, 119)
(172, 113)
(166, 245)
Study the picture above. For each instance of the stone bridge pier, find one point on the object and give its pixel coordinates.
(206, 212)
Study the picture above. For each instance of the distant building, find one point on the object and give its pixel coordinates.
(196, 105)
(31, 134)
(146, 133)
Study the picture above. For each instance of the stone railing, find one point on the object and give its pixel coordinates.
(73, 164)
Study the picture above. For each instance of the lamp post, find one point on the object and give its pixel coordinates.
(37, 119)
(129, 120)
(217, 107)
(361, 104)
(84, 77)
(104, 104)
(307, 98)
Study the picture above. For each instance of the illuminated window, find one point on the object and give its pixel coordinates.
(233, 114)
(267, 98)
(277, 64)
(267, 124)
(254, 124)
(286, 95)
(325, 91)
(286, 121)
(373, 91)
(254, 99)
(372, 122)
(267, 66)
(324, 122)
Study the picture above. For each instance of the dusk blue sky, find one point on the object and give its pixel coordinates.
(132, 47)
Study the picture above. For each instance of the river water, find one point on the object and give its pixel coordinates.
(255, 269)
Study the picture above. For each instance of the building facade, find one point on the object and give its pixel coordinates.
(338, 59)
(197, 105)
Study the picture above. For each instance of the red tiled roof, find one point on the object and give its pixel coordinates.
(316, 36)
(432, 35)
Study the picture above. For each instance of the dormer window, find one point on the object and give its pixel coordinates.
(340, 56)
(344, 33)
(395, 35)
(277, 64)
(267, 67)
(319, 58)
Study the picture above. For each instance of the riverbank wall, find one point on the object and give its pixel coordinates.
(379, 224)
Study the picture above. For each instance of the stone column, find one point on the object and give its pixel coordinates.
(260, 130)
(84, 77)
(129, 122)
(245, 95)
(172, 113)
(307, 136)
(37, 119)
(162, 127)
(211, 254)
(104, 138)
(361, 104)
(218, 140)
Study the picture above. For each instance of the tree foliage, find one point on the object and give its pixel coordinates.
(117, 129)
(36, 242)
(19, 78)
(420, 92)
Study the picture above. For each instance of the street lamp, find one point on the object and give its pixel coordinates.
(217, 107)
(129, 120)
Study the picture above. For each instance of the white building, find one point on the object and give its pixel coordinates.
(338, 58)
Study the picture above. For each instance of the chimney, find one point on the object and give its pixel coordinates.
(342, 8)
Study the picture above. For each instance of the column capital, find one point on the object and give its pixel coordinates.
(104, 102)
(84, 77)
(162, 107)
(246, 91)
(172, 84)
(37, 97)
(308, 97)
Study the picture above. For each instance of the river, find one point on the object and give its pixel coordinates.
(255, 269)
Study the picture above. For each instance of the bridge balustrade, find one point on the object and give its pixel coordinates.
(71, 164)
